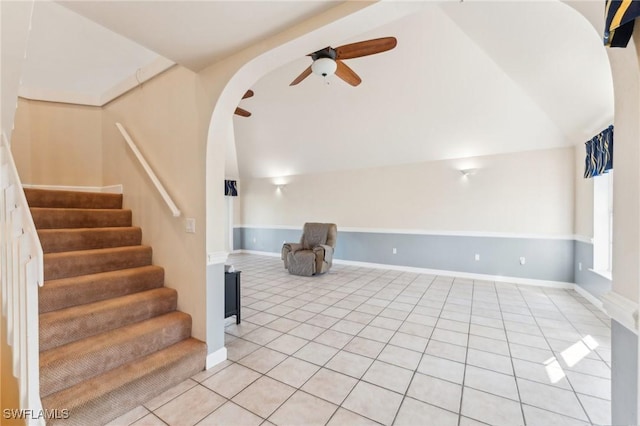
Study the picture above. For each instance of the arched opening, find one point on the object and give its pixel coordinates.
(226, 83)
(625, 72)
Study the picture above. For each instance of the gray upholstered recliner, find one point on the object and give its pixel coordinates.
(314, 253)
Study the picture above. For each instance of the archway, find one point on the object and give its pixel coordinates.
(225, 83)
(237, 75)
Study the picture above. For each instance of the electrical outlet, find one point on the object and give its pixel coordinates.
(477, 256)
(190, 225)
(395, 251)
(254, 240)
(523, 260)
(579, 266)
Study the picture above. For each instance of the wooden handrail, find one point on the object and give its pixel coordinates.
(154, 179)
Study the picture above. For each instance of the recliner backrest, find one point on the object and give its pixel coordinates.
(314, 234)
(332, 235)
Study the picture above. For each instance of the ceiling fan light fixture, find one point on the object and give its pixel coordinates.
(324, 67)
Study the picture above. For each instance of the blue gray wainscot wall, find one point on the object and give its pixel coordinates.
(592, 282)
(545, 259)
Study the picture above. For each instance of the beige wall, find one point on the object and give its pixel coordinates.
(525, 193)
(162, 118)
(14, 35)
(58, 144)
(583, 197)
(237, 207)
(62, 144)
(21, 140)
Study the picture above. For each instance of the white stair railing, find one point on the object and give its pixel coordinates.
(21, 273)
(147, 168)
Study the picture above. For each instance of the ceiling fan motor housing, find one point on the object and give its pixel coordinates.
(328, 61)
(327, 52)
(324, 62)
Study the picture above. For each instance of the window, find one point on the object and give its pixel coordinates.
(603, 223)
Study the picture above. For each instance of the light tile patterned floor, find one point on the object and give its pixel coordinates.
(362, 346)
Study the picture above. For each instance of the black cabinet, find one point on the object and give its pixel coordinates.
(232, 294)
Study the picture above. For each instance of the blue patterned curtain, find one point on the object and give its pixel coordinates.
(599, 157)
(230, 188)
(620, 18)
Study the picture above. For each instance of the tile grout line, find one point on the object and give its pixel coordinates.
(286, 287)
(415, 371)
(568, 379)
(553, 352)
(513, 366)
(451, 285)
(375, 359)
(338, 406)
(466, 354)
(292, 355)
(493, 339)
(574, 327)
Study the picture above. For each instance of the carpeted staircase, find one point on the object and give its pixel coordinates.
(110, 335)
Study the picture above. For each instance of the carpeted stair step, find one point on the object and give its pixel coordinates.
(67, 292)
(72, 199)
(64, 326)
(58, 240)
(68, 365)
(82, 262)
(52, 218)
(109, 395)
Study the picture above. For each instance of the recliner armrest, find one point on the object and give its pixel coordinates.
(289, 248)
(292, 247)
(328, 252)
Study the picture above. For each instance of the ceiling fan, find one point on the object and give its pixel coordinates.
(243, 112)
(328, 61)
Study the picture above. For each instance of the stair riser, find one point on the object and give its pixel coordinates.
(105, 397)
(61, 327)
(59, 240)
(69, 292)
(76, 218)
(83, 360)
(110, 338)
(73, 199)
(73, 264)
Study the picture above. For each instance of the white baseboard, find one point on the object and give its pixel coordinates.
(217, 257)
(590, 297)
(485, 277)
(260, 253)
(216, 358)
(470, 275)
(622, 318)
(111, 189)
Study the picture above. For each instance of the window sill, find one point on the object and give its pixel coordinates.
(604, 274)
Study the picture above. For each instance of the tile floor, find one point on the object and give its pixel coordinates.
(362, 346)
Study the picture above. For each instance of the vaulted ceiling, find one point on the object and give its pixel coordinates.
(466, 79)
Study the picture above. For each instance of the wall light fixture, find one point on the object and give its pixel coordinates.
(468, 172)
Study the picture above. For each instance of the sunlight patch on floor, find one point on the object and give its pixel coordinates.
(576, 352)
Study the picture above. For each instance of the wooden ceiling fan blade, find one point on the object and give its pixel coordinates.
(347, 74)
(248, 94)
(365, 48)
(306, 73)
(242, 112)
